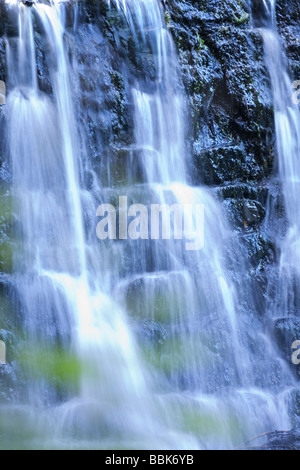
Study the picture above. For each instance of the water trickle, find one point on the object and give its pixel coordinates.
(287, 124)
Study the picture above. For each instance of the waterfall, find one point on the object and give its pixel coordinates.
(64, 303)
(169, 350)
(287, 119)
(212, 331)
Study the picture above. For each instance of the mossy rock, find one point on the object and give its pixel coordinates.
(226, 164)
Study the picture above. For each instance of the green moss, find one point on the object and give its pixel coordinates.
(7, 315)
(175, 356)
(6, 257)
(201, 43)
(217, 425)
(53, 364)
(244, 18)
(168, 18)
(157, 298)
(6, 214)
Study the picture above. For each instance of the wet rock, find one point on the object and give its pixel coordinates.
(251, 212)
(296, 411)
(259, 249)
(226, 163)
(2, 59)
(105, 115)
(244, 191)
(2, 17)
(275, 440)
(284, 440)
(226, 81)
(288, 18)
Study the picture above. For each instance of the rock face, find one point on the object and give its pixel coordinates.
(231, 123)
(288, 17)
(228, 89)
(277, 440)
(231, 107)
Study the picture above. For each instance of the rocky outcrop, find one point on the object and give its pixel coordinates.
(232, 123)
(228, 90)
(288, 19)
(276, 440)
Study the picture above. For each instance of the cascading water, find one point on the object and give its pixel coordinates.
(63, 303)
(207, 377)
(287, 123)
(209, 340)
